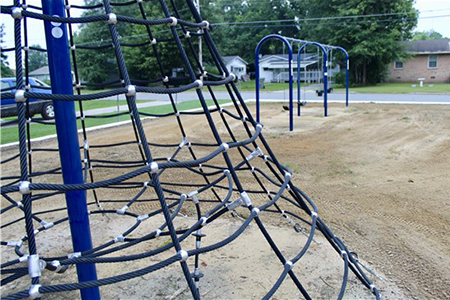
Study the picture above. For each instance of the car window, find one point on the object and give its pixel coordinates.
(5, 85)
(40, 83)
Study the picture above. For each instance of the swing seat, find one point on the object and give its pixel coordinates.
(320, 92)
(302, 103)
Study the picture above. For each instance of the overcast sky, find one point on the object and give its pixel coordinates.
(434, 15)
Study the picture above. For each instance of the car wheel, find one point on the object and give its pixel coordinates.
(48, 111)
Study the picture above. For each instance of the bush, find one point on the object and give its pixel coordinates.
(340, 79)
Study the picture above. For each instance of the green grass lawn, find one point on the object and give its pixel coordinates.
(10, 134)
(400, 88)
(250, 86)
(268, 86)
(94, 104)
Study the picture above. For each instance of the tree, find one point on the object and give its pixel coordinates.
(5, 70)
(36, 58)
(239, 29)
(426, 35)
(95, 65)
(239, 39)
(372, 42)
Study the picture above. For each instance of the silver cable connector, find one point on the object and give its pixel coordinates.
(246, 199)
(24, 187)
(16, 13)
(112, 19)
(174, 21)
(34, 266)
(257, 152)
(154, 167)
(33, 292)
(131, 90)
(19, 96)
(122, 210)
(184, 255)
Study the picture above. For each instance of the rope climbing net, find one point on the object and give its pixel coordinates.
(232, 170)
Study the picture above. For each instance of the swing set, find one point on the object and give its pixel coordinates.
(327, 61)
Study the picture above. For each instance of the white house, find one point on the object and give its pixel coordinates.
(42, 73)
(275, 67)
(235, 65)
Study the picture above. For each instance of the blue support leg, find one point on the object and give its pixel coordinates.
(325, 85)
(291, 94)
(66, 128)
(299, 87)
(346, 81)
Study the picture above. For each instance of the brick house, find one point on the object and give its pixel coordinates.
(429, 60)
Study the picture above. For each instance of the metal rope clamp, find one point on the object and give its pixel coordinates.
(206, 26)
(131, 90)
(174, 21)
(257, 152)
(243, 200)
(33, 292)
(16, 13)
(183, 142)
(24, 187)
(19, 96)
(112, 19)
(35, 266)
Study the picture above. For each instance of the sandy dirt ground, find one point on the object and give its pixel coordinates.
(378, 173)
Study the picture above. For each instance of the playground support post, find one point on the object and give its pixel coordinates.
(346, 81)
(66, 128)
(347, 67)
(291, 78)
(325, 75)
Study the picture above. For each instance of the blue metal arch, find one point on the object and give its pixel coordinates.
(291, 79)
(347, 66)
(325, 75)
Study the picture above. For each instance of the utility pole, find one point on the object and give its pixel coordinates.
(200, 50)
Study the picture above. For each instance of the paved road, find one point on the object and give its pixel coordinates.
(280, 96)
(311, 96)
(283, 95)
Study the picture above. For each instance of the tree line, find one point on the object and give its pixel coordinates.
(368, 29)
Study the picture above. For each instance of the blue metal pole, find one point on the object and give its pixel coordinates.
(325, 71)
(325, 83)
(66, 128)
(291, 92)
(347, 66)
(299, 87)
(291, 78)
(346, 81)
(257, 81)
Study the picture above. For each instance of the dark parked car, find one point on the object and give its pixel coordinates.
(37, 106)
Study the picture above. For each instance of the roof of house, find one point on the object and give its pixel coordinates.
(280, 61)
(429, 46)
(41, 71)
(228, 59)
(284, 57)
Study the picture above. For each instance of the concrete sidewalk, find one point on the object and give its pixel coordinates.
(121, 108)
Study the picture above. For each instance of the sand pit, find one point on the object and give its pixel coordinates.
(378, 173)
